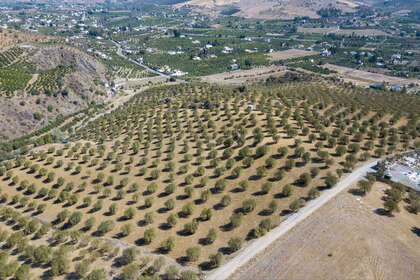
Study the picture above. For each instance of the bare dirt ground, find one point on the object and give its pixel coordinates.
(337, 30)
(345, 239)
(289, 54)
(364, 78)
(130, 83)
(239, 77)
(266, 9)
(10, 38)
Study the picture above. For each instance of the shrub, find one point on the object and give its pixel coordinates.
(129, 213)
(331, 180)
(189, 275)
(191, 227)
(106, 226)
(211, 236)
(266, 187)
(129, 255)
(193, 254)
(170, 189)
(172, 220)
(226, 200)
(168, 244)
(220, 185)
(149, 235)
(305, 179)
(170, 204)
(75, 218)
(97, 274)
(249, 205)
(236, 220)
(235, 243)
(216, 259)
(206, 214)
(187, 209)
(152, 188)
(296, 205)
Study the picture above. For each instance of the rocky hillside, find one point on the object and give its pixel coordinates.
(268, 9)
(64, 81)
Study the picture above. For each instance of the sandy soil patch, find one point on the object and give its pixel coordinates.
(239, 77)
(289, 54)
(345, 239)
(349, 3)
(337, 30)
(364, 78)
(129, 83)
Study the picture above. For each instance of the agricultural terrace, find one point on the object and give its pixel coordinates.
(192, 171)
(13, 75)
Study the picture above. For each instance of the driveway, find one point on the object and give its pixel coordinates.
(258, 245)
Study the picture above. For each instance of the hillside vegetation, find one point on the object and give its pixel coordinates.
(195, 171)
(40, 84)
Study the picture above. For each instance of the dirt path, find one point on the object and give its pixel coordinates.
(257, 246)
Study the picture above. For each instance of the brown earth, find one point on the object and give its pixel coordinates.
(267, 9)
(239, 77)
(10, 38)
(289, 54)
(364, 78)
(82, 84)
(345, 239)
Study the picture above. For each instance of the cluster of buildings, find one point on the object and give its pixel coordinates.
(404, 169)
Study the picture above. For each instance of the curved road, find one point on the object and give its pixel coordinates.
(119, 53)
(258, 245)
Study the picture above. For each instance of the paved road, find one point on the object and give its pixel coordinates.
(257, 246)
(119, 52)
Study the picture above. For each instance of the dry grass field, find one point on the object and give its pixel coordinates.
(176, 162)
(11, 38)
(268, 9)
(336, 30)
(289, 54)
(345, 239)
(365, 79)
(239, 77)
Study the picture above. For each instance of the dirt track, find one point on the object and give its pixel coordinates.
(259, 245)
(346, 239)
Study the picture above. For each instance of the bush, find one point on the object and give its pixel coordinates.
(206, 214)
(235, 243)
(172, 220)
(187, 209)
(266, 187)
(261, 151)
(97, 274)
(129, 213)
(189, 275)
(106, 226)
(313, 193)
(226, 200)
(82, 268)
(191, 227)
(149, 235)
(211, 236)
(216, 259)
(193, 254)
(296, 205)
(129, 255)
(75, 218)
(131, 272)
(236, 220)
(331, 180)
(220, 185)
(168, 244)
(248, 205)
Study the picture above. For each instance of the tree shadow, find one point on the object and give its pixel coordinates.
(416, 230)
(382, 212)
